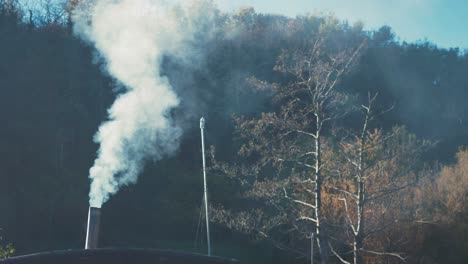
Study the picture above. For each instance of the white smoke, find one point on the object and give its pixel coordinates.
(133, 36)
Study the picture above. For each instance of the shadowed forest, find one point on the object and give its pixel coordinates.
(316, 128)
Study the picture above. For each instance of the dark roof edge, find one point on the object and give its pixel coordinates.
(106, 251)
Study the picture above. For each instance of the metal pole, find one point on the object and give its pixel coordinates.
(312, 248)
(202, 128)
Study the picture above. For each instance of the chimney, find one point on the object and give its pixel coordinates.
(92, 233)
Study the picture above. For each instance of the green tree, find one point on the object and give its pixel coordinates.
(7, 250)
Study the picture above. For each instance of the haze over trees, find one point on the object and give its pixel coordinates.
(348, 135)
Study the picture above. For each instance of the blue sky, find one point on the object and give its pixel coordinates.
(444, 22)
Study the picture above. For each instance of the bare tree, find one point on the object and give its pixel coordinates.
(371, 185)
(283, 150)
(9, 6)
(46, 12)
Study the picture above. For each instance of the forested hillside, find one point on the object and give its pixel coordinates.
(54, 93)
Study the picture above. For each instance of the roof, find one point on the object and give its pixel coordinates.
(116, 256)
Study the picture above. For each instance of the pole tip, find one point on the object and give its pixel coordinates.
(202, 123)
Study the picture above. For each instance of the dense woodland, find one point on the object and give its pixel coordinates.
(316, 127)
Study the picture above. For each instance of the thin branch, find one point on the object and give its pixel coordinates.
(337, 255)
(426, 222)
(347, 216)
(353, 196)
(297, 201)
(306, 133)
(300, 163)
(396, 255)
(307, 219)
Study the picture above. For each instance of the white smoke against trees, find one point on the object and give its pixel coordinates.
(132, 37)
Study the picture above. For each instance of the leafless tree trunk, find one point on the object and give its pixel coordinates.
(363, 156)
(317, 76)
(292, 138)
(359, 229)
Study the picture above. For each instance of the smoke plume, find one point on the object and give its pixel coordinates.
(133, 37)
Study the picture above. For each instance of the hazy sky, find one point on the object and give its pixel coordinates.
(444, 22)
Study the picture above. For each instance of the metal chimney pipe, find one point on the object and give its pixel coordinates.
(92, 233)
